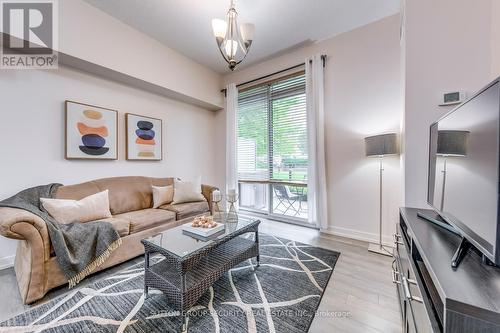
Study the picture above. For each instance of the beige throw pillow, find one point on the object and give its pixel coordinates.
(91, 208)
(162, 195)
(187, 191)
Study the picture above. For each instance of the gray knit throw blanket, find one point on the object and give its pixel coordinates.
(80, 247)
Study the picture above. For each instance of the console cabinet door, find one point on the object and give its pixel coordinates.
(401, 266)
(415, 317)
(403, 254)
(419, 312)
(410, 325)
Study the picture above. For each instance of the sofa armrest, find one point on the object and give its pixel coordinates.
(23, 225)
(207, 190)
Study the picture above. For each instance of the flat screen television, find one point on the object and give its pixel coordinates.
(464, 170)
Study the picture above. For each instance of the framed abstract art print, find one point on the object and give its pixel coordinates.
(144, 138)
(91, 132)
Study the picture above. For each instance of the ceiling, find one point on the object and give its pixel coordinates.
(185, 25)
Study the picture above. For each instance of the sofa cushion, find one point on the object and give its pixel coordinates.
(162, 195)
(187, 191)
(77, 191)
(91, 208)
(147, 218)
(126, 194)
(187, 209)
(122, 226)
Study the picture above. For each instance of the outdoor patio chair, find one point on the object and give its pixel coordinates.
(287, 199)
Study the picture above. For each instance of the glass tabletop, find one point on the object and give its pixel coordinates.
(181, 244)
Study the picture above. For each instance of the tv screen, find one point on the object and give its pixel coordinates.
(464, 169)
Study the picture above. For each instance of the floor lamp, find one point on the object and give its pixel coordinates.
(380, 146)
(451, 143)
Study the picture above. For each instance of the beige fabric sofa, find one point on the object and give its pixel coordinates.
(130, 200)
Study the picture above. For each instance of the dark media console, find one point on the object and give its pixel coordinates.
(434, 297)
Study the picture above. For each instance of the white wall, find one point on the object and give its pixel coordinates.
(32, 133)
(495, 39)
(90, 34)
(363, 97)
(446, 50)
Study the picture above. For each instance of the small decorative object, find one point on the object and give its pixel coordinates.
(203, 226)
(143, 138)
(204, 222)
(91, 132)
(216, 198)
(232, 198)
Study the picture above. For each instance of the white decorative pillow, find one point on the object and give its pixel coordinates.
(91, 208)
(162, 195)
(187, 191)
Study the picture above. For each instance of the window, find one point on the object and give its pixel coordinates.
(272, 147)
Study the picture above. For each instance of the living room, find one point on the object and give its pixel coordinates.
(244, 165)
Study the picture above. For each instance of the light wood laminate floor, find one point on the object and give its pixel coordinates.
(360, 296)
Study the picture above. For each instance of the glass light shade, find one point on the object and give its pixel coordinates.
(231, 48)
(247, 31)
(219, 28)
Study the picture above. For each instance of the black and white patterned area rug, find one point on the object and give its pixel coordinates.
(282, 295)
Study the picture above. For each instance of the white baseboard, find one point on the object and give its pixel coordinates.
(7, 262)
(359, 235)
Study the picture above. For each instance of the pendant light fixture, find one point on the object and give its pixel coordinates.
(233, 41)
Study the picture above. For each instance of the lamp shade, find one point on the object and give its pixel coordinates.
(247, 31)
(219, 28)
(383, 144)
(452, 142)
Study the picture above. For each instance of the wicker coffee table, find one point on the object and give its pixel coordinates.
(192, 265)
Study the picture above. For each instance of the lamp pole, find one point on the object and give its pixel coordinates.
(380, 146)
(381, 166)
(444, 184)
(379, 248)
